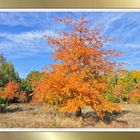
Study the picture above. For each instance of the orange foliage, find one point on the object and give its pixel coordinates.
(10, 91)
(135, 94)
(81, 77)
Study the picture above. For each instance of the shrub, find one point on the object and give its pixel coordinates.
(9, 94)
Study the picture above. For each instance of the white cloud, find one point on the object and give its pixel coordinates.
(24, 44)
(26, 36)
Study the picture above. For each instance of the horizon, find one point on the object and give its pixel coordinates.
(22, 36)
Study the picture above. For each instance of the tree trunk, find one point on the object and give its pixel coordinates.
(79, 112)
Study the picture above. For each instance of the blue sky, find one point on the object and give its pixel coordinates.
(22, 36)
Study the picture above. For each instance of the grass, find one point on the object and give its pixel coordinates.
(37, 116)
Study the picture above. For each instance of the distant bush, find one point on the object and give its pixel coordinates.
(9, 93)
(124, 87)
(112, 98)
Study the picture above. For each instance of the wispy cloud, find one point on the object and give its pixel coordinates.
(26, 19)
(24, 44)
(109, 20)
(27, 36)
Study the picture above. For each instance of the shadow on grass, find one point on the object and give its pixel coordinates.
(11, 110)
(108, 118)
(14, 109)
(90, 119)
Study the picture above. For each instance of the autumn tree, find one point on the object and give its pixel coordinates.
(9, 93)
(80, 79)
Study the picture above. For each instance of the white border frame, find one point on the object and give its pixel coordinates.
(69, 129)
(69, 10)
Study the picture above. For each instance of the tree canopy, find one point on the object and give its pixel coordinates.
(7, 72)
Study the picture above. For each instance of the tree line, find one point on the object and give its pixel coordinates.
(14, 89)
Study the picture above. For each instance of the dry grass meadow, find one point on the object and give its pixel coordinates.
(37, 116)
